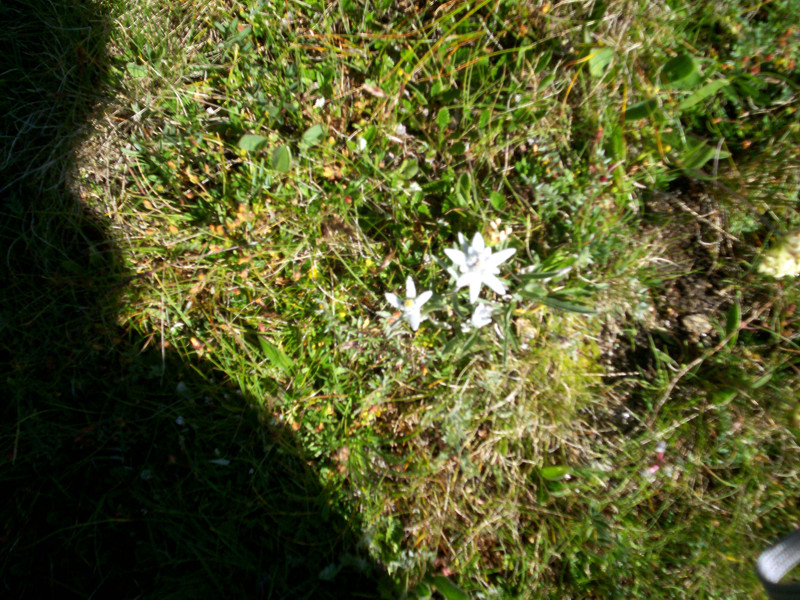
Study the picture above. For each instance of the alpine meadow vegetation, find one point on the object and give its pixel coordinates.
(375, 299)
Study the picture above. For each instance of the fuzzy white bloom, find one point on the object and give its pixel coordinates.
(319, 102)
(481, 316)
(478, 266)
(412, 305)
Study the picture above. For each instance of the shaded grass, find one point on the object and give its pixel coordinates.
(128, 472)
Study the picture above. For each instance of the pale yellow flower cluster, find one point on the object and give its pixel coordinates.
(783, 259)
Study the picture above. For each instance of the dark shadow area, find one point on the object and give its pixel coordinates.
(125, 473)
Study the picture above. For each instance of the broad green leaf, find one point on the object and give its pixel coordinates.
(251, 143)
(555, 473)
(704, 92)
(448, 589)
(282, 159)
(678, 69)
(497, 200)
(313, 134)
(276, 356)
(641, 110)
(136, 70)
(599, 59)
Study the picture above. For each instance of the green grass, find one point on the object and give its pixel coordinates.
(204, 205)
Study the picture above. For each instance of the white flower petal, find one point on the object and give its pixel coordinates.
(499, 258)
(467, 279)
(411, 289)
(414, 319)
(494, 283)
(474, 289)
(477, 242)
(393, 300)
(481, 316)
(423, 298)
(459, 258)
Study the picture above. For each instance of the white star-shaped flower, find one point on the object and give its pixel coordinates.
(412, 305)
(478, 265)
(481, 316)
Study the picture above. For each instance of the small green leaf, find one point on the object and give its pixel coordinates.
(409, 168)
(763, 380)
(443, 118)
(251, 143)
(497, 200)
(704, 92)
(448, 589)
(599, 59)
(313, 134)
(282, 159)
(542, 61)
(136, 70)
(533, 290)
(678, 69)
(733, 322)
(276, 356)
(641, 110)
(554, 473)
(723, 397)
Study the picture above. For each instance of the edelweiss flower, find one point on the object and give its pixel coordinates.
(411, 305)
(478, 265)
